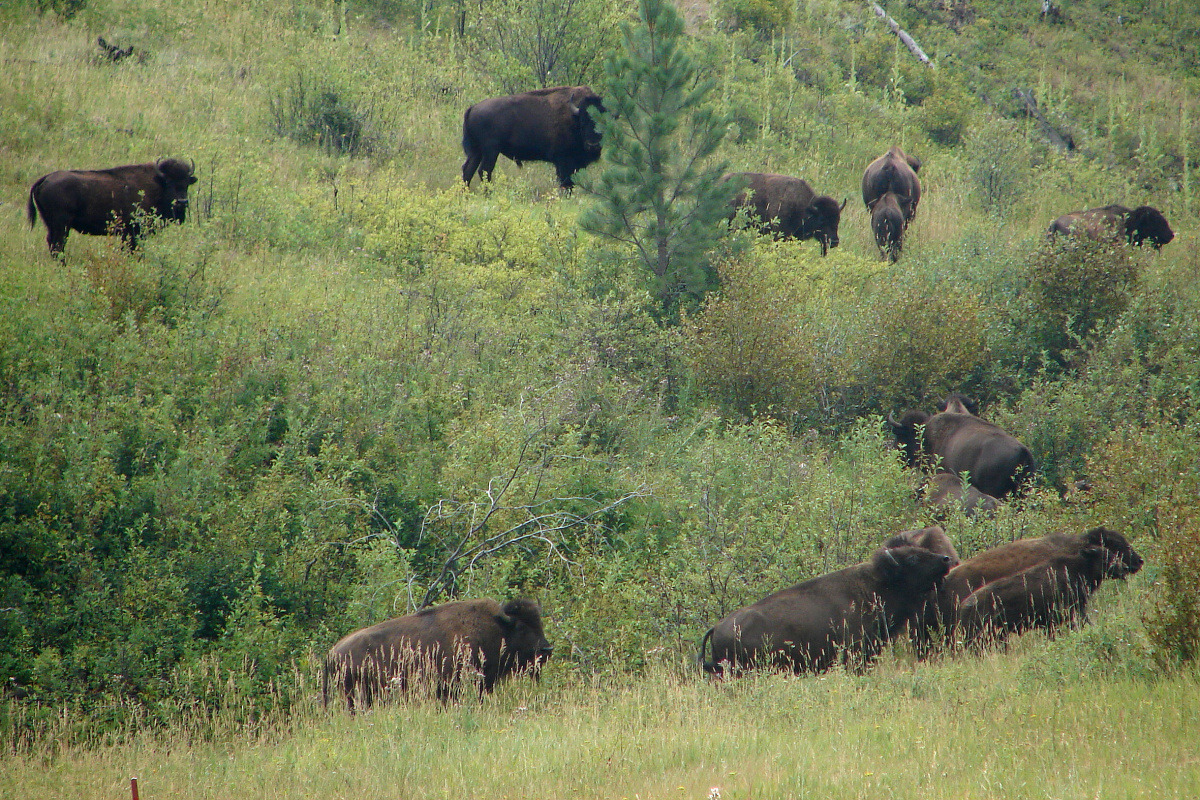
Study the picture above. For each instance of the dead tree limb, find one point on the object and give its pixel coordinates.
(908, 41)
(1029, 102)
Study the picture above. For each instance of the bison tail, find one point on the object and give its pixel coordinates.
(31, 207)
(708, 666)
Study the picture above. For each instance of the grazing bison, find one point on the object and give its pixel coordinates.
(112, 52)
(109, 201)
(1047, 595)
(848, 615)
(1006, 560)
(945, 490)
(933, 539)
(888, 223)
(544, 125)
(1137, 225)
(787, 207)
(950, 441)
(438, 647)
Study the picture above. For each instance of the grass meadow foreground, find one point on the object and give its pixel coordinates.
(1006, 725)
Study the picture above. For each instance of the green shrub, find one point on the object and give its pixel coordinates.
(315, 112)
(765, 16)
(1000, 162)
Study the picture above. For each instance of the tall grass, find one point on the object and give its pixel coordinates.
(986, 728)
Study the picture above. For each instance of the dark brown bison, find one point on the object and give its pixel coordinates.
(438, 648)
(888, 223)
(848, 615)
(945, 490)
(544, 125)
(950, 441)
(117, 201)
(894, 172)
(1137, 225)
(1048, 595)
(1006, 560)
(112, 52)
(959, 403)
(933, 539)
(787, 207)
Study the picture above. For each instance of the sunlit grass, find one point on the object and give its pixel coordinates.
(962, 728)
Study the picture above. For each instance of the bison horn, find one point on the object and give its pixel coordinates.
(892, 421)
(191, 166)
(891, 556)
(574, 108)
(842, 207)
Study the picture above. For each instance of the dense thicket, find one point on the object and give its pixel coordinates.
(347, 386)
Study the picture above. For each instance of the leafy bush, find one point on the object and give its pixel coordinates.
(1000, 162)
(765, 16)
(314, 112)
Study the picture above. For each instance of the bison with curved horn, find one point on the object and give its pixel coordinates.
(786, 207)
(104, 202)
(544, 125)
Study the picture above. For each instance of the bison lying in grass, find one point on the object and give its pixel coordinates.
(438, 649)
(848, 615)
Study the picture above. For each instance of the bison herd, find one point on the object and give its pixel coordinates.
(913, 582)
(555, 125)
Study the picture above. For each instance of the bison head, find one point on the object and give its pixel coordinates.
(820, 222)
(174, 177)
(908, 438)
(525, 645)
(933, 539)
(959, 403)
(910, 569)
(1147, 223)
(1122, 559)
(583, 98)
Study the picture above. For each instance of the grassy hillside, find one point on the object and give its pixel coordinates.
(277, 423)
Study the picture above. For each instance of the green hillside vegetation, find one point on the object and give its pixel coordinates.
(348, 385)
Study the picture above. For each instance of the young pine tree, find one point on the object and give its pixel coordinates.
(657, 192)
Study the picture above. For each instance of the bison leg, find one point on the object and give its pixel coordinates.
(564, 177)
(470, 166)
(56, 239)
(488, 165)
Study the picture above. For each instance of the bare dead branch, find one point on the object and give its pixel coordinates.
(908, 41)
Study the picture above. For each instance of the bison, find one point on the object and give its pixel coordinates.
(951, 441)
(112, 52)
(848, 615)
(1006, 560)
(888, 223)
(118, 201)
(1137, 225)
(551, 125)
(945, 490)
(787, 207)
(933, 539)
(1047, 595)
(438, 648)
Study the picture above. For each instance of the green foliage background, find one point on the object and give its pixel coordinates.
(276, 423)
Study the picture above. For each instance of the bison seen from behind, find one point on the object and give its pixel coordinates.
(786, 207)
(117, 201)
(1134, 225)
(891, 192)
(438, 648)
(847, 615)
(544, 125)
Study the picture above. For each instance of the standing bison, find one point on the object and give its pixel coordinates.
(109, 201)
(952, 441)
(438, 648)
(545, 125)
(891, 192)
(1137, 225)
(848, 615)
(787, 207)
